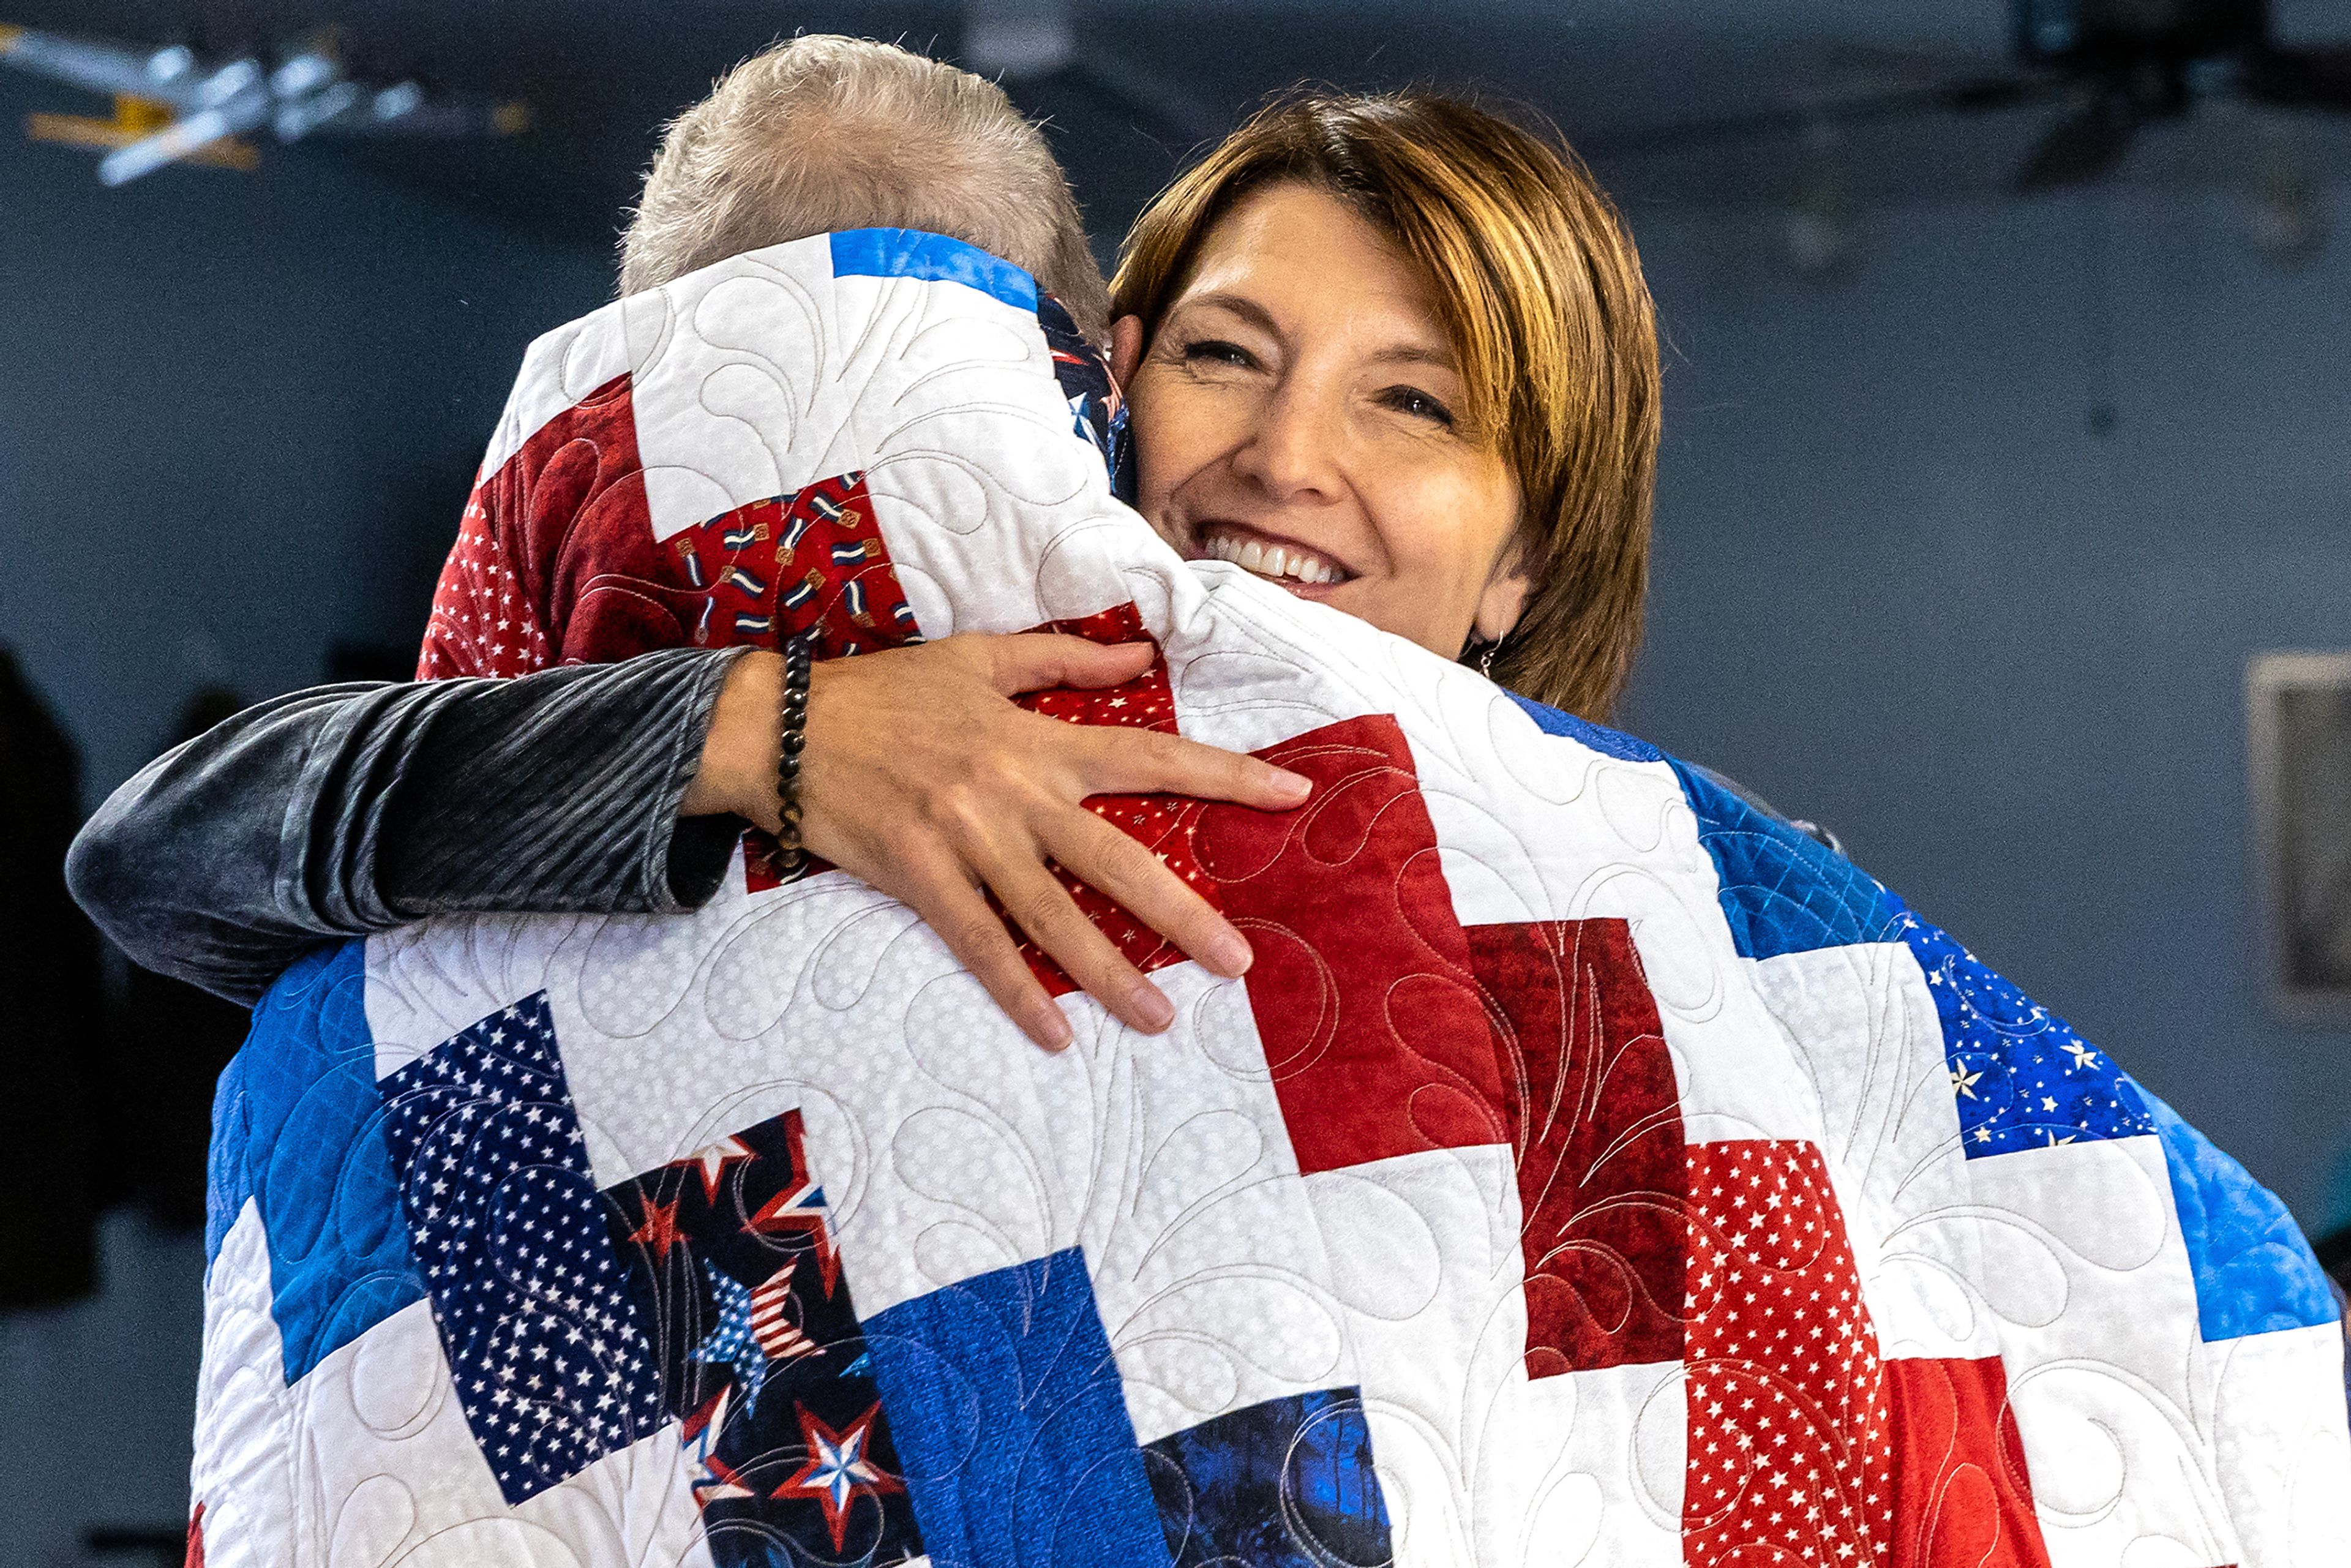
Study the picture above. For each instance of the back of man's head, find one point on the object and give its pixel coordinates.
(827, 132)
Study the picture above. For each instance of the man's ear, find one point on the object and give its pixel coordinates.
(1505, 597)
(1125, 348)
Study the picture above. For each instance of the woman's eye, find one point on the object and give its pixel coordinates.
(1216, 351)
(1420, 405)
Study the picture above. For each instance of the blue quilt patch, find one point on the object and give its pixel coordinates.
(1285, 1484)
(2254, 1272)
(1012, 1422)
(1608, 742)
(1783, 890)
(297, 1127)
(2022, 1078)
(910, 253)
(545, 1349)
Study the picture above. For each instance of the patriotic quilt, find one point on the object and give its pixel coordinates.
(1592, 1170)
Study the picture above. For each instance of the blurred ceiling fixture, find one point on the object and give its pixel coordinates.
(171, 107)
(2122, 63)
(1027, 42)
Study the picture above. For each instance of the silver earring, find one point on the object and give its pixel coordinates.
(1486, 659)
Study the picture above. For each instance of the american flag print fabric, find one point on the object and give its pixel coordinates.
(1591, 1168)
(760, 1357)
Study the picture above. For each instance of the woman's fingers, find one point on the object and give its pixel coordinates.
(976, 936)
(1042, 908)
(921, 776)
(1149, 762)
(1032, 661)
(1108, 859)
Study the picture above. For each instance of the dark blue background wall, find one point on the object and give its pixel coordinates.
(239, 417)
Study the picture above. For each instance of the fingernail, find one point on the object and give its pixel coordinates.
(1148, 1006)
(1051, 1028)
(1297, 786)
(1229, 955)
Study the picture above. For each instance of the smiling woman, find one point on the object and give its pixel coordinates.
(1403, 347)
(1302, 414)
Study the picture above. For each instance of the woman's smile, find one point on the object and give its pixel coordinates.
(1306, 572)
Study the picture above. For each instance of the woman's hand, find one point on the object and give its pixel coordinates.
(924, 778)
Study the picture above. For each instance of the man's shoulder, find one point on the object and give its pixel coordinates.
(1632, 748)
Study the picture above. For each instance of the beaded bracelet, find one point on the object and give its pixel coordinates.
(791, 723)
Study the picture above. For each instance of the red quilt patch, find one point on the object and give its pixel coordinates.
(1961, 1498)
(1370, 1013)
(551, 517)
(812, 564)
(808, 564)
(1596, 1127)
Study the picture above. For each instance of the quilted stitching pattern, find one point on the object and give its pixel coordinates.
(1591, 1169)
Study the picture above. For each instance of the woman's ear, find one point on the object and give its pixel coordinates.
(1505, 597)
(1125, 349)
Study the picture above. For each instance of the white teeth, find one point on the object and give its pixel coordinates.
(1272, 560)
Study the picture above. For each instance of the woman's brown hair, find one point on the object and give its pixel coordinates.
(1542, 295)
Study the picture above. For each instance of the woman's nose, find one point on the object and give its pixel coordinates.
(1291, 449)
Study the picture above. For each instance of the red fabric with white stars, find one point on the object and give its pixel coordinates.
(1789, 1450)
(1162, 823)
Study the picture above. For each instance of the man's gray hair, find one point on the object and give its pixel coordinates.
(826, 133)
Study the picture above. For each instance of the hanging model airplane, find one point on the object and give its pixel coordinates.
(172, 107)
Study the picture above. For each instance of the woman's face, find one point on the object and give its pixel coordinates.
(1298, 412)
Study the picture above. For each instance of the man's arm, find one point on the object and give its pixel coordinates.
(332, 813)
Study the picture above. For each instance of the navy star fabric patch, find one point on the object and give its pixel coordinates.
(549, 1362)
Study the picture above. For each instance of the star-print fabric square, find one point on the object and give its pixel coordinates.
(544, 1346)
(730, 1261)
(2023, 1078)
(1788, 1458)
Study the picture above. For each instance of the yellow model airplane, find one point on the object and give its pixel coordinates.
(170, 107)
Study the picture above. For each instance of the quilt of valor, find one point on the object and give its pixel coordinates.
(1591, 1170)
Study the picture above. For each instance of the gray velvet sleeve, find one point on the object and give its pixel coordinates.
(332, 813)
